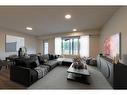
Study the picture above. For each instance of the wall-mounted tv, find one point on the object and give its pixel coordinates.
(112, 46)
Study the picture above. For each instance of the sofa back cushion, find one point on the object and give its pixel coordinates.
(52, 57)
(34, 57)
(41, 59)
(46, 56)
(28, 63)
(33, 65)
(37, 62)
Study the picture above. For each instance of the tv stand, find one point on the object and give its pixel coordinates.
(116, 74)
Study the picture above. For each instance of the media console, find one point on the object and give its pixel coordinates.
(116, 74)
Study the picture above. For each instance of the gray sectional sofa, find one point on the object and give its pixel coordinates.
(28, 70)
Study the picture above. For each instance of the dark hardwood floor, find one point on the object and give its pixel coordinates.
(6, 83)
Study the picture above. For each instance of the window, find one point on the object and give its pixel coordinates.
(70, 46)
(76, 46)
(45, 47)
(66, 46)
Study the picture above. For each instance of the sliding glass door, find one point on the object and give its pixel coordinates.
(70, 46)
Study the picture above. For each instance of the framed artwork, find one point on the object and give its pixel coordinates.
(13, 43)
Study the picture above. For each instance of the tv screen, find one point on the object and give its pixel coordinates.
(112, 46)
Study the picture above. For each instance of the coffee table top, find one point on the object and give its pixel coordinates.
(78, 71)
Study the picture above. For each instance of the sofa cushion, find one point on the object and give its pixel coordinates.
(34, 58)
(51, 63)
(46, 56)
(21, 62)
(42, 70)
(32, 65)
(54, 56)
(50, 57)
(34, 75)
(93, 62)
(41, 59)
(88, 60)
(37, 62)
(28, 63)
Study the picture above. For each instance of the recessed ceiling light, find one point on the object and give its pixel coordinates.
(68, 16)
(29, 28)
(74, 29)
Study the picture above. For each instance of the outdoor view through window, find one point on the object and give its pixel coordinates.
(70, 46)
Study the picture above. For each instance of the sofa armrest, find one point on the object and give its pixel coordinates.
(22, 75)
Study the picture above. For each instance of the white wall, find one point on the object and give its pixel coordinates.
(39, 46)
(117, 23)
(30, 42)
(51, 43)
(94, 45)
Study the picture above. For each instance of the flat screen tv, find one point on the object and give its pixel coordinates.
(112, 46)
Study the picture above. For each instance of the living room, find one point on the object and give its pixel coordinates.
(46, 30)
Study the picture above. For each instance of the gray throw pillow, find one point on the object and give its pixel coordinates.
(37, 62)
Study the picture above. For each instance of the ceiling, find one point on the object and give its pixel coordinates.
(49, 19)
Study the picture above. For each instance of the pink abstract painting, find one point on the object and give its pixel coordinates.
(112, 46)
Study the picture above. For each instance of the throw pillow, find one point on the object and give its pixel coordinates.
(37, 62)
(45, 60)
(55, 56)
(47, 56)
(88, 60)
(33, 65)
(93, 62)
(51, 57)
(41, 59)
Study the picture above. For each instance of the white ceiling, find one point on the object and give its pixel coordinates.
(48, 20)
